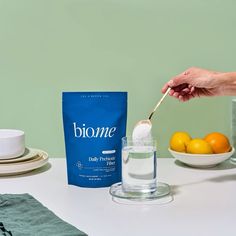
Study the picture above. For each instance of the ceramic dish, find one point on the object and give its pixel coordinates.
(28, 154)
(201, 160)
(12, 143)
(16, 168)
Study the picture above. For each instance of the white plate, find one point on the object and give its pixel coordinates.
(16, 168)
(28, 154)
(201, 160)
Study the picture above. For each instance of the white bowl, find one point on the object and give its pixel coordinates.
(12, 143)
(201, 160)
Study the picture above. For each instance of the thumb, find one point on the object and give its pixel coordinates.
(178, 80)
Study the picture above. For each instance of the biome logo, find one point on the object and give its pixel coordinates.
(90, 132)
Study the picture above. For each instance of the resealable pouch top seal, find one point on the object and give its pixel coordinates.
(94, 123)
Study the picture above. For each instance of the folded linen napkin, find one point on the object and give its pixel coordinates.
(23, 215)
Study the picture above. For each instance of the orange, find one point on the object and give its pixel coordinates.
(179, 141)
(219, 142)
(199, 146)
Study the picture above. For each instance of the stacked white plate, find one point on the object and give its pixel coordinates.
(15, 158)
(30, 160)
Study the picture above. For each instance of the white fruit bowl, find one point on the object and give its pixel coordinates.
(201, 160)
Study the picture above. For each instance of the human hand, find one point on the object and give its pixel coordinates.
(195, 82)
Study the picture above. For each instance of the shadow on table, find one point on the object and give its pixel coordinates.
(31, 173)
(226, 165)
(175, 189)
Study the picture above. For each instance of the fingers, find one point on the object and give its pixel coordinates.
(185, 98)
(179, 80)
(172, 91)
(183, 92)
(194, 82)
(180, 87)
(165, 87)
(192, 89)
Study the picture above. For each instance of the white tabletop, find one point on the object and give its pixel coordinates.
(204, 202)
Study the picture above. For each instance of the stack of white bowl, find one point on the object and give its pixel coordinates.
(15, 158)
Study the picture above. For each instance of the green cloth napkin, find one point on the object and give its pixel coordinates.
(23, 215)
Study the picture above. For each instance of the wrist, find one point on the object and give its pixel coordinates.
(227, 83)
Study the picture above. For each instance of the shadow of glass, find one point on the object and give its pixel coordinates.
(40, 170)
(226, 165)
(223, 178)
(176, 189)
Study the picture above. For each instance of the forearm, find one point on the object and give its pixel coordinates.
(227, 83)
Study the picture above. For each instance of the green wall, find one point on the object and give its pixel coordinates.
(50, 46)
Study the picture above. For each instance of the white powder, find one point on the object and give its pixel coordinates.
(142, 132)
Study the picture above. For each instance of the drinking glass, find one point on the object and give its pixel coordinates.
(233, 128)
(139, 173)
(139, 166)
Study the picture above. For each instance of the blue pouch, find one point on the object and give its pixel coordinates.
(94, 123)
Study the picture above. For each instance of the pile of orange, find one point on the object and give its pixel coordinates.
(212, 143)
